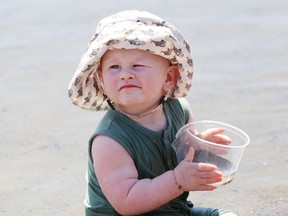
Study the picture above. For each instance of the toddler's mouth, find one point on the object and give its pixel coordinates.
(128, 86)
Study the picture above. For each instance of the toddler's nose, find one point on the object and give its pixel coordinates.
(126, 75)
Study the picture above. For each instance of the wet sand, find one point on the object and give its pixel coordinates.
(240, 55)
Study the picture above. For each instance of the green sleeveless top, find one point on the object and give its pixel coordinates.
(150, 150)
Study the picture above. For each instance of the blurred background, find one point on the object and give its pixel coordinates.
(240, 52)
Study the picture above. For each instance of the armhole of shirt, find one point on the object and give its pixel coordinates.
(186, 109)
(96, 133)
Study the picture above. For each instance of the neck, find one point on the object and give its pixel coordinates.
(155, 109)
(153, 119)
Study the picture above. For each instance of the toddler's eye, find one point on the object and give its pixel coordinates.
(137, 65)
(115, 67)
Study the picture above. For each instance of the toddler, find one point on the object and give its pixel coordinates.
(138, 67)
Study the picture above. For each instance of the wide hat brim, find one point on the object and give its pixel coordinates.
(129, 30)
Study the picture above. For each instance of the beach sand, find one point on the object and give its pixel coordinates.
(240, 53)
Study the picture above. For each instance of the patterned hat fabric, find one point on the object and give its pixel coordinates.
(129, 30)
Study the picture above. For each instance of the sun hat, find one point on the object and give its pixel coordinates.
(130, 29)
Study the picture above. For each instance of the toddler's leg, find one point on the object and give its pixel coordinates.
(227, 213)
(202, 211)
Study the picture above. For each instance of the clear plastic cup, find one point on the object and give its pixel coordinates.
(226, 157)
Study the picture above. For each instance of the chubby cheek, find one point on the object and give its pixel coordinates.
(110, 89)
(109, 85)
(154, 86)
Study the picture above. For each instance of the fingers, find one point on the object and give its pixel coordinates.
(207, 174)
(213, 131)
(197, 176)
(205, 181)
(222, 139)
(210, 174)
(205, 167)
(190, 155)
(208, 187)
(208, 181)
(215, 135)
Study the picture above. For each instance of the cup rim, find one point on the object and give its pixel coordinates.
(243, 134)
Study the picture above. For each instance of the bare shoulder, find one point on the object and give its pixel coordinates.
(105, 149)
(102, 143)
(113, 167)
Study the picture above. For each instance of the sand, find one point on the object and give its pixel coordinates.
(240, 54)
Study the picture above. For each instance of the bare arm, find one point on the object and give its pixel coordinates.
(128, 195)
(118, 179)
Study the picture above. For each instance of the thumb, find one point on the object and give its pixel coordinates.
(190, 155)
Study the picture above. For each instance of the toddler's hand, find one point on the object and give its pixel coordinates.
(215, 135)
(196, 176)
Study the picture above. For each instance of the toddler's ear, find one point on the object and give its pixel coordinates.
(99, 79)
(171, 78)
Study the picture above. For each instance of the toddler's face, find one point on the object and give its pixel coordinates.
(135, 77)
